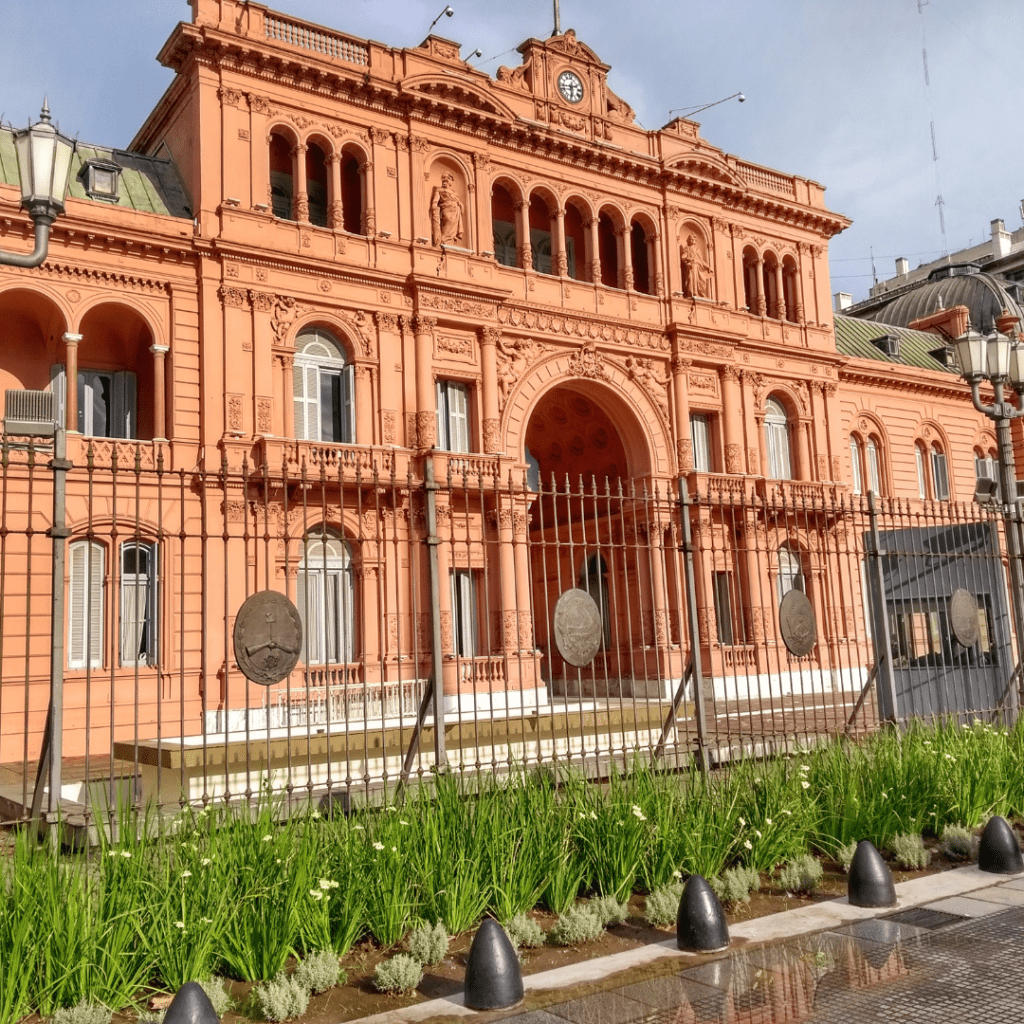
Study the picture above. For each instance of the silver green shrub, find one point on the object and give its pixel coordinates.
(803, 874)
(577, 924)
(284, 998)
(524, 932)
(429, 943)
(85, 1012)
(401, 973)
(909, 852)
(957, 843)
(844, 856)
(734, 885)
(319, 971)
(609, 910)
(662, 905)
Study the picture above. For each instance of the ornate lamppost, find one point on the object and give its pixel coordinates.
(998, 359)
(44, 164)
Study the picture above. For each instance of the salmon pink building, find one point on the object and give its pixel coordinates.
(423, 350)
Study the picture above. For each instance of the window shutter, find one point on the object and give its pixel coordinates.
(59, 387)
(858, 486)
(772, 444)
(458, 413)
(305, 389)
(348, 405)
(922, 491)
(85, 606)
(332, 620)
(95, 624)
(85, 400)
(348, 616)
(874, 477)
(700, 437)
(300, 604)
(123, 402)
(441, 399)
(330, 406)
(941, 477)
(76, 608)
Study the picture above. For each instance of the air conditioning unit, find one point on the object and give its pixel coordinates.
(30, 413)
(1020, 488)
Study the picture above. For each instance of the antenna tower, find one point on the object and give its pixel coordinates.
(939, 201)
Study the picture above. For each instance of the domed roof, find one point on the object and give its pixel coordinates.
(985, 295)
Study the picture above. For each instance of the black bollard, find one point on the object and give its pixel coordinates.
(870, 881)
(999, 852)
(701, 924)
(493, 978)
(191, 1006)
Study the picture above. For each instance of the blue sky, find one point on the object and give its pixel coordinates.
(835, 89)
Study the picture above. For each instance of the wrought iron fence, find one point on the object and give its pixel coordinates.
(734, 616)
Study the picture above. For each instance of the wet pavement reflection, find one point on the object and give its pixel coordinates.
(919, 965)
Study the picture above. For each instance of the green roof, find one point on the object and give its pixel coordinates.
(148, 184)
(854, 338)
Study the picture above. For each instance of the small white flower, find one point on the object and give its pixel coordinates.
(638, 813)
(677, 874)
(179, 924)
(391, 809)
(126, 854)
(757, 832)
(326, 883)
(757, 781)
(207, 920)
(186, 874)
(394, 849)
(315, 815)
(378, 846)
(593, 815)
(885, 796)
(205, 862)
(267, 839)
(743, 822)
(767, 821)
(805, 767)
(402, 821)
(358, 828)
(315, 894)
(789, 814)
(805, 784)
(747, 844)
(113, 853)
(950, 757)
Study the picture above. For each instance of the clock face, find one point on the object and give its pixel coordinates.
(570, 86)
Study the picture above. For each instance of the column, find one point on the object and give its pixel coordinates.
(336, 212)
(760, 309)
(287, 360)
(524, 249)
(806, 469)
(626, 259)
(368, 220)
(373, 627)
(593, 251)
(756, 589)
(752, 434)
(159, 391)
(832, 425)
(520, 522)
(655, 542)
(780, 296)
(732, 419)
(300, 202)
(489, 364)
(71, 383)
(426, 415)
(504, 520)
(558, 223)
(364, 404)
(680, 395)
(655, 263)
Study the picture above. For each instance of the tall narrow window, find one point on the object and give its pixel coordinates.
(575, 242)
(858, 478)
(540, 235)
(922, 482)
(503, 226)
(325, 597)
(453, 416)
(464, 617)
(776, 436)
(638, 254)
(322, 387)
(940, 475)
(281, 186)
(316, 185)
(700, 434)
(874, 466)
(608, 251)
(139, 590)
(790, 571)
(85, 605)
(107, 401)
(351, 195)
(723, 607)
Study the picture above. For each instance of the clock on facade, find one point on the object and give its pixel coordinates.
(570, 86)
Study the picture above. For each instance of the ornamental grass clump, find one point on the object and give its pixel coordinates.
(84, 1012)
(399, 974)
(662, 905)
(957, 842)
(734, 885)
(577, 924)
(319, 971)
(802, 874)
(908, 851)
(524, 933)
(428, 943)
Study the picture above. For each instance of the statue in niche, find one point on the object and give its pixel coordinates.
(697, 272)
(446, 212)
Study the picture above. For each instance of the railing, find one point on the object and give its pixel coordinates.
(345, 700)
(761, 177)
(307, 37)
(744, 657)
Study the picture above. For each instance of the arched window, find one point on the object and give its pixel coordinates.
(608, 251)
(855, 463)
(316, 185)
(940, 474)
(771, 288)
(790, 290)
(324, 409)
(503, 226)
(85, 604)
(638, 252)
(922, 476)
(575, 242)
(866, 461)
(776, 438)
(281, 177)
(139, 603)
(325, 597)
(874, 465)
(791, 575)
(750, 280)
(351, 195)
(594, 580)
(540, 235)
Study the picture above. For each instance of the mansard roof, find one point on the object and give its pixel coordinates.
(148, 184)
(854, 337)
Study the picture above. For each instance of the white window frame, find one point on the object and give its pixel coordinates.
(776, 436)
(858, 476)
(320, 364)
(86, 578)
(922, 478)
(139, 606)
(874, 465)
(700, 438)
(940, 473)
(464, 613)
(453, 407)
(120, 408)
(325, 598)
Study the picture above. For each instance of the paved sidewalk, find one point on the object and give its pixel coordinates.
(951, 946)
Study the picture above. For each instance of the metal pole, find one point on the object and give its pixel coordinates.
(558, 20)
(694, 625)
(882, 639)
(59, 533)
(435, 613)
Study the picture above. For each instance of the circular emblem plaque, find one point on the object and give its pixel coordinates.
(963, 617)
(796, 622)
(578, 627)
(268, 637)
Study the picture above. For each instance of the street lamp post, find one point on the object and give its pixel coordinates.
(44, 165)
(998, 359)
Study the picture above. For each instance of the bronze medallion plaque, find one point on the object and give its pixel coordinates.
(578, 627)
(796, 622)
(963, 617)
(268, 637)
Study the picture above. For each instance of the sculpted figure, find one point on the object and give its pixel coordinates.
(696, 271)
(446, 212)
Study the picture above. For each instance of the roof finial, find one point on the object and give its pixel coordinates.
(45, 115)
(558, 20)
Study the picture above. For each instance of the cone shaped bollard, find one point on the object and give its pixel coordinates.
(701, 924)
(870, 881)
(493, 978)
(999, 851)
(191, 1006)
